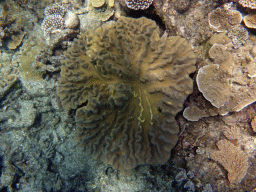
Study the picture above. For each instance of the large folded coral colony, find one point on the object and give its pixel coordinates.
(133, 83)
(127, 95)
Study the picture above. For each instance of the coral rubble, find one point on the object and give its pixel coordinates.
(127, 84)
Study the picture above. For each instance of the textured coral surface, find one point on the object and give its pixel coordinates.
(127, 85)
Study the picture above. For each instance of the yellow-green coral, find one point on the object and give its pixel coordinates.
(31, 48)
(101, 9)
(127, 85)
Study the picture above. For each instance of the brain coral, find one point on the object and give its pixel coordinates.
(127, 84)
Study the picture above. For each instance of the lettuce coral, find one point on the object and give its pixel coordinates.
(127, 85)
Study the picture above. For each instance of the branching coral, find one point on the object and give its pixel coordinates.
(127, 84)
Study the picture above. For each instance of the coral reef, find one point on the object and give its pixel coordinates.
(235, 161)
(198, 142)
(127, 84)
(52, 24)
(58, 17)
(248, 3)
(13, 22)
(138, 4)
(250, 21)
(228, 82)
(8, 77)
(253, 124)
(221, 19)
(101, 9)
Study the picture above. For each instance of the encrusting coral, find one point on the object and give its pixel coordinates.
(101, 9)
(229, 81)
(235, 161)
(250, 21)
(221, 19)
(8, 76)
(127, 85)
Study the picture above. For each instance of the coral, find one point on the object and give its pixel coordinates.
(52, 24)
(31, 48)
(228, 82)
(250, 21)
(238, 35)
(181, 5)
(248, 3)
(101, 9)
(15, 40)
(57, 18)
(232, 159)
(138, 4)
(193, 113)
(127, 84)
(55, 9)
(11, 25)
(232, 132)
(8, 76)
(253, 124)
(222, 19)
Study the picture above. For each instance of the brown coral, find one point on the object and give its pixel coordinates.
(229, 82)
(127, 84)
(8, 76)
(232, 159)
(222, 19)
(101, 9)
(250, 21)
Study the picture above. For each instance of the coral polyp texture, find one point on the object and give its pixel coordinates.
(127, 85)
(248, 3)
(58, 17)
(138, 4)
